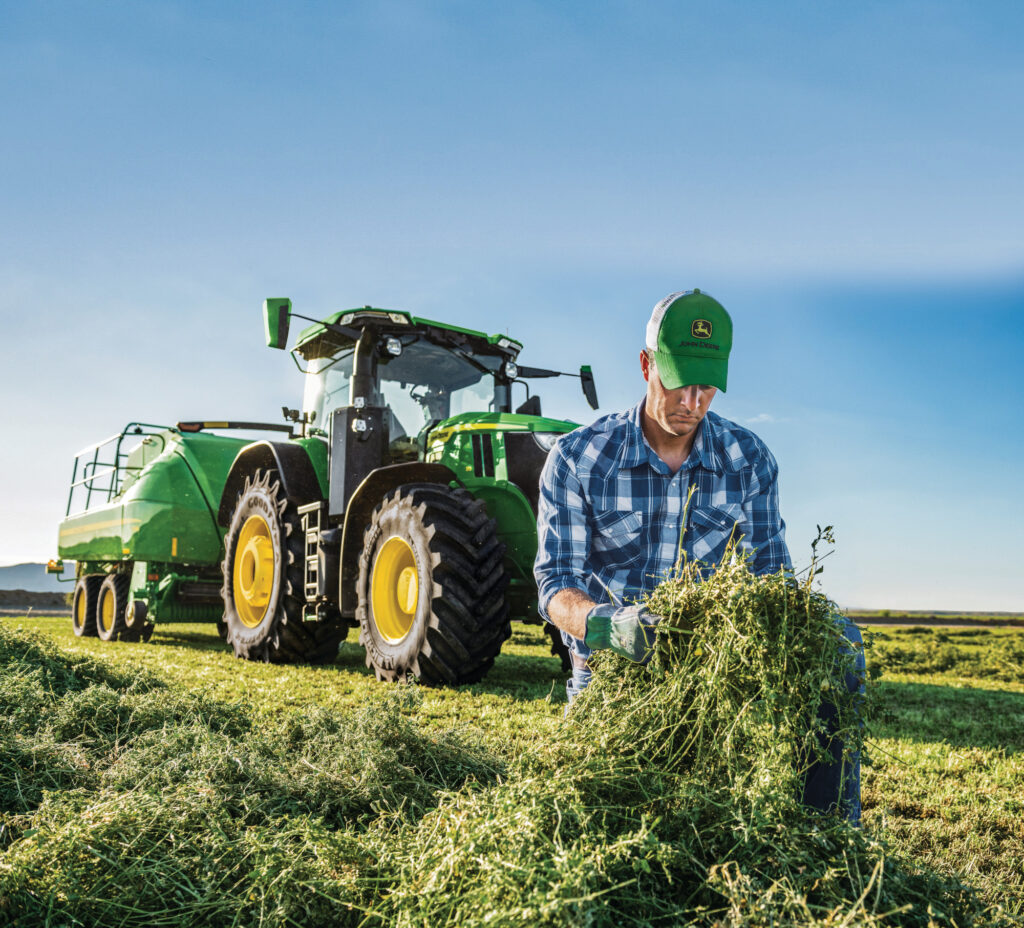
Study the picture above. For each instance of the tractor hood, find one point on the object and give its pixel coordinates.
(495, 422)
(499, 457)
(496, 446)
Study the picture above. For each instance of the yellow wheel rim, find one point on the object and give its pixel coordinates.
(394, 589)
(253, 572)
(107, 610)
(80, 609)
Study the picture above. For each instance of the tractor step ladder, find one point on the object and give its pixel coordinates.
(311, 514)
(314, 528)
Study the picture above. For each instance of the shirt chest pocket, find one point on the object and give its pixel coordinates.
(617, 536)
(713, 526)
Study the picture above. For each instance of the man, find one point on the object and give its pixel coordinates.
(613, 497)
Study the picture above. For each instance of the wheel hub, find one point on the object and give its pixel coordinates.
(253, 574)
(394, 589)
(107, 610)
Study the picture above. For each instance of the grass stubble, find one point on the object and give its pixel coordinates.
(669, 796)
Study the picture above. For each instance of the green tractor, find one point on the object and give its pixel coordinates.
(403, 501)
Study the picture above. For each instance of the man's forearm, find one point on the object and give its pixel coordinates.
(568, 611)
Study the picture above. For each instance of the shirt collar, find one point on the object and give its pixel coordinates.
(636, 451)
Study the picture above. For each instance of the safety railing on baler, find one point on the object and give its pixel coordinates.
(100, 469)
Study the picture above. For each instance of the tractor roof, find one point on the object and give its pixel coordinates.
(397, 319)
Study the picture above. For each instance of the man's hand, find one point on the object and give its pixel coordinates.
(627, 630)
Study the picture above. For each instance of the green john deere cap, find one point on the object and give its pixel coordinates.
(690, 335)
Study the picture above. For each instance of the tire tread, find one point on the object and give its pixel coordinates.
(469, 618)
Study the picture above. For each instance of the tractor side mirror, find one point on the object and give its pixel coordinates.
(276, 317)
(589, 388)
(55, 567)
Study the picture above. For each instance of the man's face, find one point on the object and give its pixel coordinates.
(677, 412)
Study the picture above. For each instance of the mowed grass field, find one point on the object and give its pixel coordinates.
(944, 785)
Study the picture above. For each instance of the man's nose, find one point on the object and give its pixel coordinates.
(690, 397)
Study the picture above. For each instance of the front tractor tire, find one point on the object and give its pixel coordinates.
(263, 587)
(431, 587)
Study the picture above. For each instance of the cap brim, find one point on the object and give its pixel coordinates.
(679, 370)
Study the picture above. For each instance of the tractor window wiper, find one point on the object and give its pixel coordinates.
(341, 357)
(457, 349)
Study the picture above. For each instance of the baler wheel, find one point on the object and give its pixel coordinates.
(431, 587)
(263, 587)
(136, 626)
(111, 606)
(83, 605)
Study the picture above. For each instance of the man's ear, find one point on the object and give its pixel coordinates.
(645, 364)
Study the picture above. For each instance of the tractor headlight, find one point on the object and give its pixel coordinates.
(393, 346)
(546, 439)
(511, 370)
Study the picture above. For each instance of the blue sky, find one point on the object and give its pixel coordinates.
(846, 178)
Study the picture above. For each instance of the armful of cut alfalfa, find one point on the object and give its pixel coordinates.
(673, 794)
(731, 695)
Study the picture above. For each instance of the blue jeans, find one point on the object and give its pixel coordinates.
(828, 787)
(835, 786)
(581, 672)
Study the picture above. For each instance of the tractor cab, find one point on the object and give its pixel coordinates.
(420, 372)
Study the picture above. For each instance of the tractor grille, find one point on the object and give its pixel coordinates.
(525, 460)
(483, 455)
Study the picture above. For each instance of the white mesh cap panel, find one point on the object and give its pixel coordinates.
(654, 324)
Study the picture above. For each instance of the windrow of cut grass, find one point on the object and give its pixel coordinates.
(934, 651)
(668, 797)
(927, 618)
(125, 802)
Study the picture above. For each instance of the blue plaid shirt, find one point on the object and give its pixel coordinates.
(611, 511)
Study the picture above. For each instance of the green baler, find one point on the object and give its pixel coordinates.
(403, 502)
(141, 523)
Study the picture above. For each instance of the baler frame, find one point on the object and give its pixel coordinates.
(115, 469)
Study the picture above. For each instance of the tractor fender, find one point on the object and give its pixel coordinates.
(294, 468)
(360, 508)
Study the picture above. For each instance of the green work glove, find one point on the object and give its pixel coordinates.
(627, 630)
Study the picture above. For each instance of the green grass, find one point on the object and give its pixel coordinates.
(945, 787)
(947, 781)
(522, 698)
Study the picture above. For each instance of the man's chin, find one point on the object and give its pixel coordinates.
(682, 427)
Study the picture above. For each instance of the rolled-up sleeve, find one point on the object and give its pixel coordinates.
(761, 508)
(563, 530)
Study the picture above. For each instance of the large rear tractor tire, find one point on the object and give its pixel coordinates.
(83, 605)
(111, 607)
(431, 587)
(263, 587)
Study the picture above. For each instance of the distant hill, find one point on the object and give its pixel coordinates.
(34, 578)
(15, 602)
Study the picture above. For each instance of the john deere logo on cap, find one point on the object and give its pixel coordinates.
(700, 328)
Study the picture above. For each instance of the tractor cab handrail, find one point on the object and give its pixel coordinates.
(100, 468)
